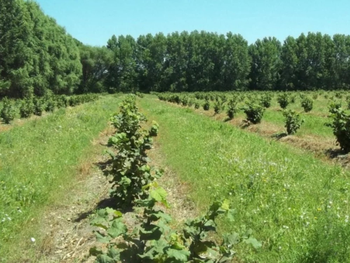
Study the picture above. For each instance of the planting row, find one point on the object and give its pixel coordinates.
(134, 186)
(254, 104)
(37, 105)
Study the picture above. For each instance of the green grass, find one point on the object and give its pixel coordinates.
(296, 205)
(38, 161)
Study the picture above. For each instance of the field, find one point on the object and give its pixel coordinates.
(290, 192)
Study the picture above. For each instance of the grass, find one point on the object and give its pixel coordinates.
(296, 205)
(39, 159)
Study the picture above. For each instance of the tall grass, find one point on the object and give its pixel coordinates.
(295, 204)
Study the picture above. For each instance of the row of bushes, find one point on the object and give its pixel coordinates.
(37, 105)
(255, 106)
(134, 187)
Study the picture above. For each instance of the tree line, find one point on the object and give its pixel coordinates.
(37, 55)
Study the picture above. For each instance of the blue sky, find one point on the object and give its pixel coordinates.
(94, 21)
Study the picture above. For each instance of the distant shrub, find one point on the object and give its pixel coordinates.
(265, 100)
(196, 105)
(340, 125)
(27, 108)
(39, 106)
(307, 104)
(184, 100)
(283, 100)
(218, 105)
(254, 112)
(206, 105)
(292, 120)
(232, 108)
(8, 111)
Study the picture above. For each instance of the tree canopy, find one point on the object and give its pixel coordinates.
(37, 55)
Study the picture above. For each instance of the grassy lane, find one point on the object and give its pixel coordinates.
(38, 161)
(294, 203)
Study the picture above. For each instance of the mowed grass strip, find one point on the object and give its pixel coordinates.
(39, 159)
(296, 205)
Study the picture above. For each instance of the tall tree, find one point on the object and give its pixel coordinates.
(265, 64)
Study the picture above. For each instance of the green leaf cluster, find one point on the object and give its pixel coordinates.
(340, 125)
(293, 121)
(129, 169)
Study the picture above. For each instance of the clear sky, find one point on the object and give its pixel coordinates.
(93, 22)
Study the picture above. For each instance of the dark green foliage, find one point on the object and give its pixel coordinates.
(340, 125)
(265, 64)
(197, 105)
(27, 108)
(265, 100)
(39, 106)
(8, 111)
(206, 105)
(184, 100)
(283, 100)
(129, 159)
(219, 105)
(36, 54)
(154, 240)
(307, 104)
(232, 108)
(293, 121)
(61, 101)
(254, 112)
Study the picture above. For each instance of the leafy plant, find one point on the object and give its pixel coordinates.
(206, 105)
(154, 241)
(307, 104)
(27, 107)
(232, 108)
(39, 106)
(292, 120)
(218, 105)
(8, 111)
(196, 105)
(254, 112)
(265, 100)
(283, 100)
(129, 169)
(340, 125)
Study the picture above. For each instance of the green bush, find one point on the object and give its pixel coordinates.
(206, 105)
(218, 105)
(39, 106)
(254, 112)
(197, 105)
(27, 108)
(8, 111)
(283, 100)
(292, 120)
(232, 108)
(307, 104)
(340, 125)
(265, 100)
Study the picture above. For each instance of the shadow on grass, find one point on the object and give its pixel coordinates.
(336, 154)
(110, 202)
(279, 135)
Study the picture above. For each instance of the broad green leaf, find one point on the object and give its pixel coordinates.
(117, 228)
(179, 255)
(255, 243)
